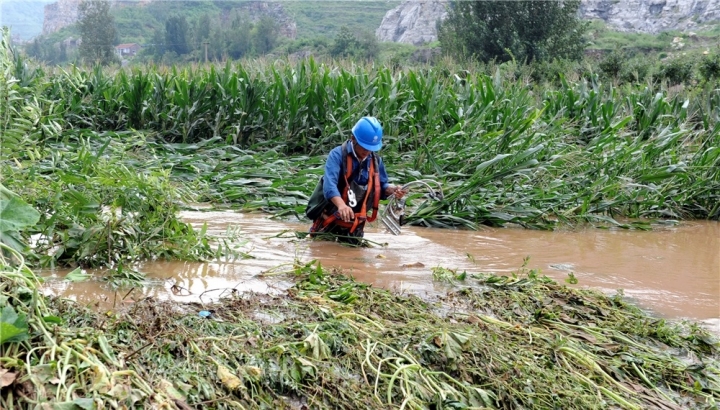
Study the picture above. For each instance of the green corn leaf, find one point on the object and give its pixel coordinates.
(16, 214)
(77, 275)
(13, 326)
(77, 404)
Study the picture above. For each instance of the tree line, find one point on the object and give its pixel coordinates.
(179, 40)
(239, 37)
(525, 30)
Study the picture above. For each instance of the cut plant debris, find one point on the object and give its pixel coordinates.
(493, 342)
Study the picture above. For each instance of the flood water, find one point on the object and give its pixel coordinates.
(672, 271)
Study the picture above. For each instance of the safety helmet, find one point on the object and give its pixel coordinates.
(368, 132)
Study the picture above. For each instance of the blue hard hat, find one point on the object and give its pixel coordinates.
(368, 132)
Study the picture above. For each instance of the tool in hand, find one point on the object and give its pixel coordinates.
(393, 216)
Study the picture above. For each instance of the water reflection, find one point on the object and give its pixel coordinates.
(182, 281)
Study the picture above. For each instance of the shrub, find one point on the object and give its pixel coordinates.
(612, 64)
(709, 66)
(636, 70)
(550, 71)
(677, 70)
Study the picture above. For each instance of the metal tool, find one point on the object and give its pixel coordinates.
(393, 216)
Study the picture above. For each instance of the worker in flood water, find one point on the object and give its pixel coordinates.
(352, 186)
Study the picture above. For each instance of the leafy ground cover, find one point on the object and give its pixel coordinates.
(507, 342)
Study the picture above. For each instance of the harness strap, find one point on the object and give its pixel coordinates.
(360, 217)
(376, 190)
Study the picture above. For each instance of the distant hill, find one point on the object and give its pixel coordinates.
(137, 20)
(324, 18)
(24, 17)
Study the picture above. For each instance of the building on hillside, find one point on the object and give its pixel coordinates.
(127, 49)
(72, 42)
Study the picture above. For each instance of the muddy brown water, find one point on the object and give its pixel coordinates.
(672, 271)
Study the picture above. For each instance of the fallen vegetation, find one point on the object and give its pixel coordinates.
(505, 342)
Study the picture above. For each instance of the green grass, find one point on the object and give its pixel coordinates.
(325, 18)
(603, 38)
(313, 18)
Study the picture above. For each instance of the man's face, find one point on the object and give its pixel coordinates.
(359, 150)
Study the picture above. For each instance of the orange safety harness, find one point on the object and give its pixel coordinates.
(362, 216)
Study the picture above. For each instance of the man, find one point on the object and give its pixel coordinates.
(355, 180)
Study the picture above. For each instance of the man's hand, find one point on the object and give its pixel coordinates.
(395, 190)
(346, 213)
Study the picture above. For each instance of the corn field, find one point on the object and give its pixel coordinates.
(253, 135)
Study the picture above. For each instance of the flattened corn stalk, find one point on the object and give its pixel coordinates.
(80, 370)
(368, 349)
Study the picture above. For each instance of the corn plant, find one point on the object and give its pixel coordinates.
(606, 151)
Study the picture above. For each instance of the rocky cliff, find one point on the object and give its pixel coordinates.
(414, 21)
(60, 14)
(257, 9)
(63, 13)
(652, 16)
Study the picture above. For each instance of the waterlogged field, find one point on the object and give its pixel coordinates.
(96, 165)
